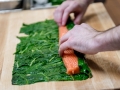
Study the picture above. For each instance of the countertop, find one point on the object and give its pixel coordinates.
(105, 66)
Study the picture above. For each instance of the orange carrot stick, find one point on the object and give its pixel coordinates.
(69, 58)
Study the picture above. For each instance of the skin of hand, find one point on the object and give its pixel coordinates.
(85, 39)
(81, 38)
(78, 7)
(109, 40)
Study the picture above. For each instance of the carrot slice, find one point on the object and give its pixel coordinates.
(69, 58)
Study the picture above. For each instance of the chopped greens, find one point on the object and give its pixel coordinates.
(37, 58)
(56, 2)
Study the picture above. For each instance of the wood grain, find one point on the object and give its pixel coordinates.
(113, 8)
(105, 66)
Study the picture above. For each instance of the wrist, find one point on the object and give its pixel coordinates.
(84, 3)
(101, 42)
(108, 40)
(115, 38)
(98, 42)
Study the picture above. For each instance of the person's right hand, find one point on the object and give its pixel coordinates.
(81, 38)
(62, 13)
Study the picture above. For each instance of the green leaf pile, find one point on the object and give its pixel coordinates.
(37, 58)
(56, 2)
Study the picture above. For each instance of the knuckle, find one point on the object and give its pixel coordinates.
(76, 26)
(59, 10)
(84, 25)
(74, 3)
(67, 11)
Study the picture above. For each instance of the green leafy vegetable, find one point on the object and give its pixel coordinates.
(37, 59)
(56, 2)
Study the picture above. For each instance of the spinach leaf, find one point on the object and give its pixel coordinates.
(37, 59)
(56, 2)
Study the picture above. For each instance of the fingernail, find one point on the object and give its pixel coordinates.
(76, 23)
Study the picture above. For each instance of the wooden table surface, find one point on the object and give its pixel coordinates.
(105, 66)
(113, 8)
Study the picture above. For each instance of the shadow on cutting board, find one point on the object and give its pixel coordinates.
(104, 65)
(94, 66)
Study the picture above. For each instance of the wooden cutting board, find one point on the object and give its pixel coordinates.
(105, 66)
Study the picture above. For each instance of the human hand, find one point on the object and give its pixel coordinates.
(62, 13)
(81, 38)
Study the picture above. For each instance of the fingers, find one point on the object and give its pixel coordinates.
(78, 18)
(64, 46)
(67, 12)
(87, 27)
(58, 18)
(64, 43)
(65, 16)
(63, 11)
(71, 8)
(58, 14)
(65, 37)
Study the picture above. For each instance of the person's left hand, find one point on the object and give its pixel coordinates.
(78, 7)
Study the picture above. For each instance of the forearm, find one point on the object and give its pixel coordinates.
(84, 2)
(109, 40)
